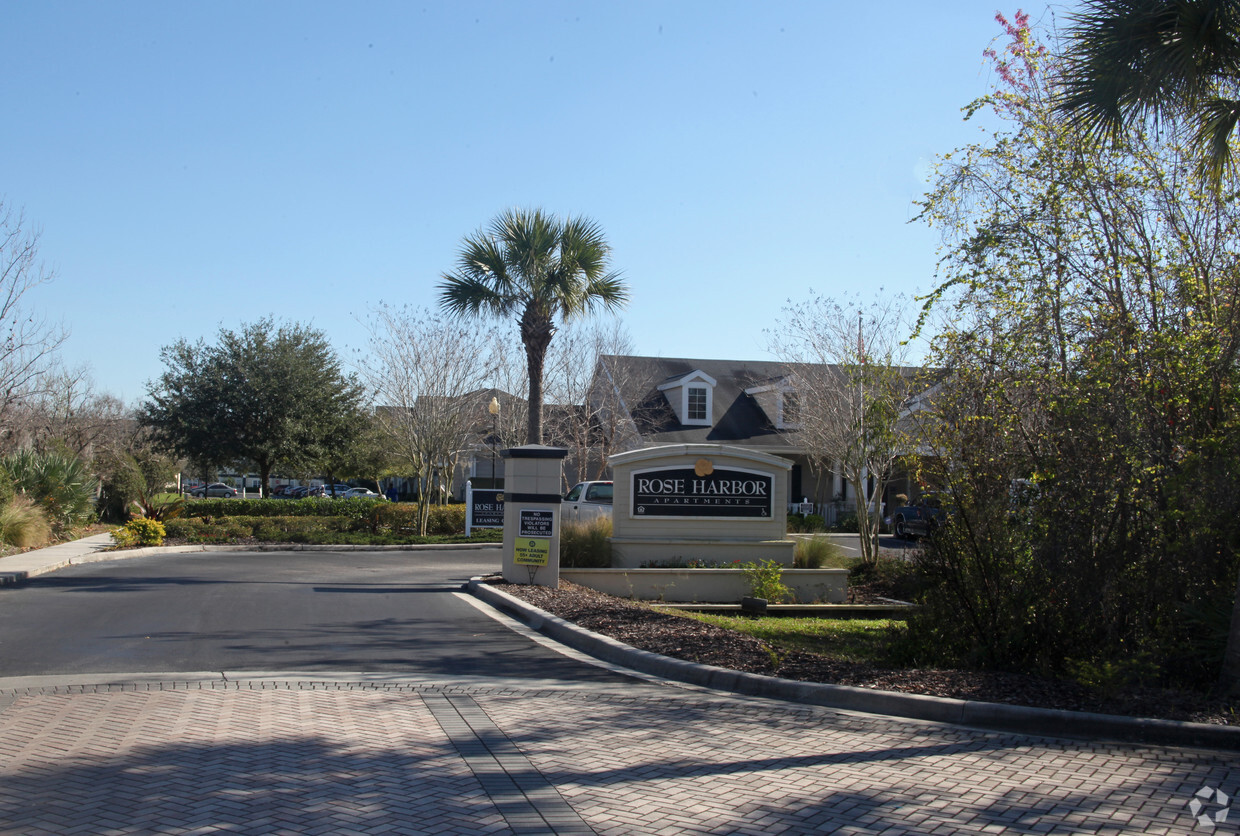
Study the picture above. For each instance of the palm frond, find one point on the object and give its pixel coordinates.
(530, 239)
(481, 257)
(469, 296)
(603, 293)
(1215, 127)
(1109, 80)
(1130, 60)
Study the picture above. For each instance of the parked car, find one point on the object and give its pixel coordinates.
(920, 519)
(362, 493)
(216, 489)
(298, 492)
(587, 501)
(327, 490)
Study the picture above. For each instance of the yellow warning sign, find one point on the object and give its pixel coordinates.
(531, 552)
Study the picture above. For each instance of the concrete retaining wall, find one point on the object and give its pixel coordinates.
(722, 586)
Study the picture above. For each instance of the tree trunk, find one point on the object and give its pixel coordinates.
(424, 507)
(1229, 676)
(537, 329)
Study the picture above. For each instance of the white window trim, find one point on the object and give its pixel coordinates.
(710, 403)
(781, 422)
(780, 389)
(695, 380)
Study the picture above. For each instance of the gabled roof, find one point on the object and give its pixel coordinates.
(737, 416)
(739, 386)
(682, 379)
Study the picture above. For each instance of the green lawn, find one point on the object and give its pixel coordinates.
(858, 640)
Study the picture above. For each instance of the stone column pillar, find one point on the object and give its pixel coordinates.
(532, 484)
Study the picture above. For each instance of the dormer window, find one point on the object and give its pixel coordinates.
(697, 409)
(691, 396)
(789, 409)
(779, 401)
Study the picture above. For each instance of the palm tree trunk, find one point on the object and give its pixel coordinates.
(537, 329)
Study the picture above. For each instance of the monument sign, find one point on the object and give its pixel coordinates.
(699, 501)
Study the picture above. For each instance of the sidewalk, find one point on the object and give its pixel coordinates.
(16, 568)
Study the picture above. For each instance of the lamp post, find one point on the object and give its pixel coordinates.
(493, 408)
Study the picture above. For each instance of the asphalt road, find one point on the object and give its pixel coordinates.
(391, 611)
(851, 543)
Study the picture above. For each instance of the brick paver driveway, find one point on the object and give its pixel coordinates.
(338, 756)
(464, 724)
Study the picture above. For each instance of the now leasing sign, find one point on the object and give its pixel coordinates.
(687, 492)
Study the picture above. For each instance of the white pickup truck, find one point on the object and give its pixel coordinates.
(586, 501)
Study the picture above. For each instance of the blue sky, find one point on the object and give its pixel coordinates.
(198, 165)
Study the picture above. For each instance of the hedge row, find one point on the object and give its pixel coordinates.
(369, 515)
(285, 529)
(402, 517)
(319, 530)
(311, 507)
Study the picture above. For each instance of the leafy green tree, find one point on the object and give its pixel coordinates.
(366, 455)
(188, 410)
(269, 394)
(1089, 413)
(1179, 60)
(539, 268)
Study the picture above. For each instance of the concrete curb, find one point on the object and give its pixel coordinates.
(984, 715)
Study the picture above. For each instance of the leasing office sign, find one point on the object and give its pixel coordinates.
(702, 491)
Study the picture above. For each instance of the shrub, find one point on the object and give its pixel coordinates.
(135, 477)
(210, 531)
(23, 524)
(586, 545)
(806, 523)
(846, 524)
(446, 519)
(402, 518)
(298, 529)
(396, 518)
(183, 527)
(57, 482)
(890, 577)
(817, 552)
(766, 581)
(363, 514)
(160, 507)
(140, 532)
(306, 529)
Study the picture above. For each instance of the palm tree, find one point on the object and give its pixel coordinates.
(1128, 60)
(533, 265)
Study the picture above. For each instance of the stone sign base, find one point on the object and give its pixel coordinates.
(698, 586)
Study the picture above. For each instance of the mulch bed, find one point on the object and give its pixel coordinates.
(640, 626)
